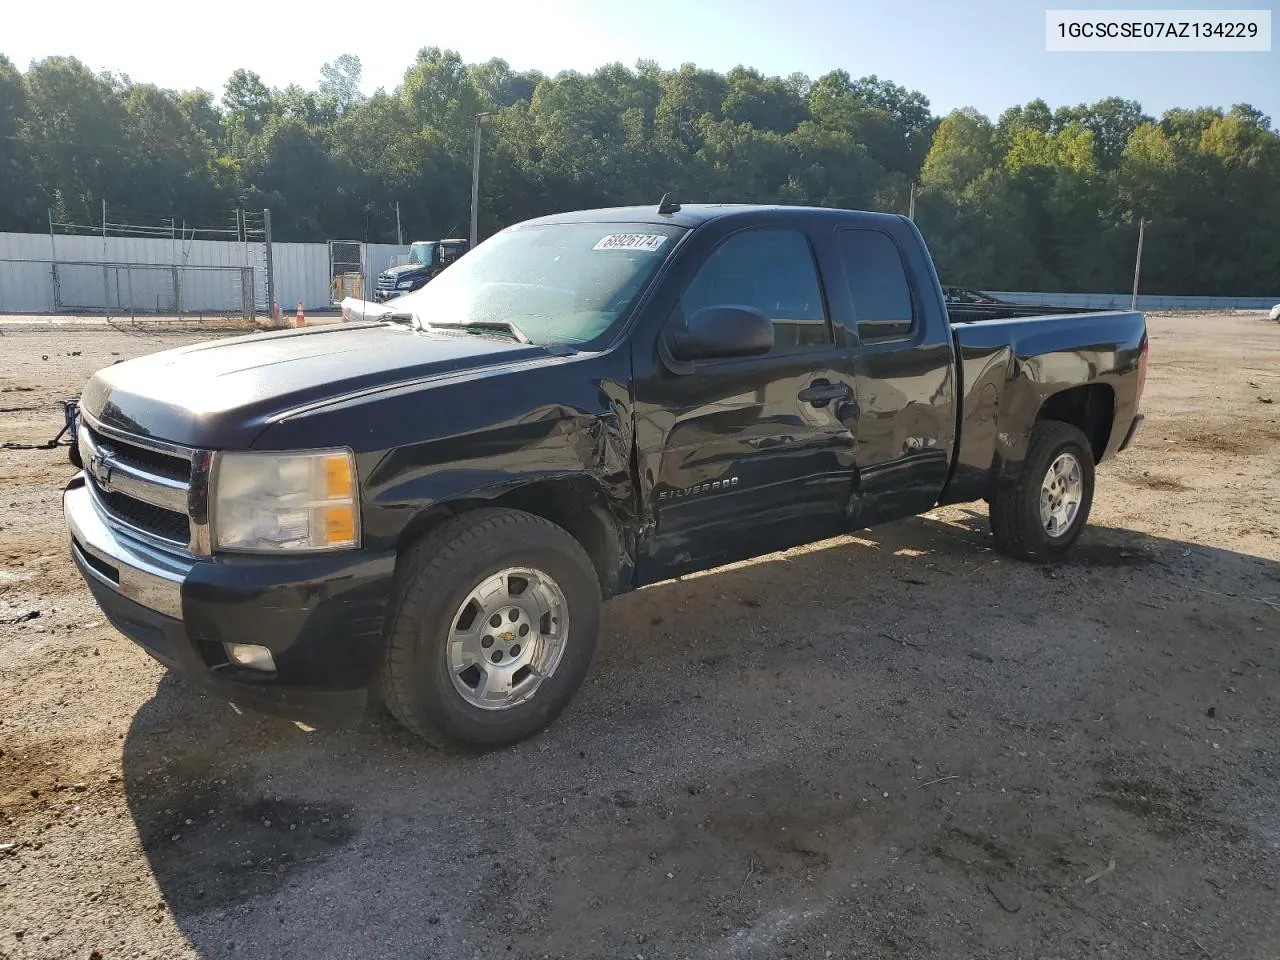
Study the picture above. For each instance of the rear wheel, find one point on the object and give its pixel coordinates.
(1044, 512)
(492, 628)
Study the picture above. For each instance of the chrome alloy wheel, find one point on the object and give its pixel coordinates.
(1061, 494)
(507, 637)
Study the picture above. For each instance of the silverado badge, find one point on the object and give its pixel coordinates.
(677, 493)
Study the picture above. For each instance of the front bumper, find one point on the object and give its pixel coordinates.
(382, 296)
(320, 616)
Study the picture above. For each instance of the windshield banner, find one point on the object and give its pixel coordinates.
(649, 242)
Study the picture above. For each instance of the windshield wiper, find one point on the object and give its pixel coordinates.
(515, 332)
(402, 316)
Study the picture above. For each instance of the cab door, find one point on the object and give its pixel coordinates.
(745, 456)
(905, 378)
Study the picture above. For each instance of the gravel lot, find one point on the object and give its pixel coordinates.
(894, 744)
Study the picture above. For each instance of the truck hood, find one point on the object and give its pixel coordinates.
(222, 394)
(404, 270)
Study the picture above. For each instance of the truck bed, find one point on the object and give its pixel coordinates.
(977, 313)
(1008, 367)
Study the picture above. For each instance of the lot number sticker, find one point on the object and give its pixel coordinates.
(648, 242)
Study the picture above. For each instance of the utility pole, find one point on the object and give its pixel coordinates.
(481, 120)
(271, 273)
(399, 235)
(911, 205)
(106, 285)
(53, 262)
(1137, 263)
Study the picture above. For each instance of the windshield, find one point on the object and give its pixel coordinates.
(420, 253)
(560, 283)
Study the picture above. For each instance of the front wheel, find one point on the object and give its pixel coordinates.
(492, 628)
(1043, 513)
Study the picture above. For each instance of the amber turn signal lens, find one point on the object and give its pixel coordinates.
(337, 477)
(339, 525)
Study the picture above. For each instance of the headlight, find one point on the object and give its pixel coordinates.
(285, 501)
(404, 284)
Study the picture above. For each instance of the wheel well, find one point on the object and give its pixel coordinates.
(1090, 407)
(575, 504)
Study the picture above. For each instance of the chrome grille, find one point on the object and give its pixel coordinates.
(140, 484)
(385, 281)
(157, 521)
(167, 465)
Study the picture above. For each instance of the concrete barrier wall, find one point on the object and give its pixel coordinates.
(1146, 301)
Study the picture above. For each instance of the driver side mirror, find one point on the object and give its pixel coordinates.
(720, 333)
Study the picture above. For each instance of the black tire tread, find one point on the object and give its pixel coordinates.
(1015, 532)
(429, 558)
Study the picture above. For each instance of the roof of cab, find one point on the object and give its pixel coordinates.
(695, 214)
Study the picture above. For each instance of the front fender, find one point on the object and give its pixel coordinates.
(550, 447)
(477, 435)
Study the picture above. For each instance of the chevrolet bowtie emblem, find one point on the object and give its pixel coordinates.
(100, 468)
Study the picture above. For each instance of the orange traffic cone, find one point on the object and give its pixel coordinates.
(301, 320)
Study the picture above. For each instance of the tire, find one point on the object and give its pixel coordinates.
(1016, 520)
(435, 597)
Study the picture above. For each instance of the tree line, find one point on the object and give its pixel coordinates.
(1039, 199)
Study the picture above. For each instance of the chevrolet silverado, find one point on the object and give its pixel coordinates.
(431, 501)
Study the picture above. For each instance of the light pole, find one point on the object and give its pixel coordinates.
(481, 120)
(1137, 263)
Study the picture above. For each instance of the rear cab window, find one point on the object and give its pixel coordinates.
(879, 290)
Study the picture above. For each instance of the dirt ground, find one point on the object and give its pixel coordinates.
(894, 744)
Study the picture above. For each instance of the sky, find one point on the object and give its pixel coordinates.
(988, 55)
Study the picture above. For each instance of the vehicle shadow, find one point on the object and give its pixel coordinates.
(746, 723)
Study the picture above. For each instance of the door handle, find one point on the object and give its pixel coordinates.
(821, 392)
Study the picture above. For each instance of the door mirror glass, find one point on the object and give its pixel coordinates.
(721, 333)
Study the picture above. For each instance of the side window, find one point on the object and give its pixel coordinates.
(771, 270)
(878, 287)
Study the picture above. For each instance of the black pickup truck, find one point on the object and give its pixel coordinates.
(432, 505)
